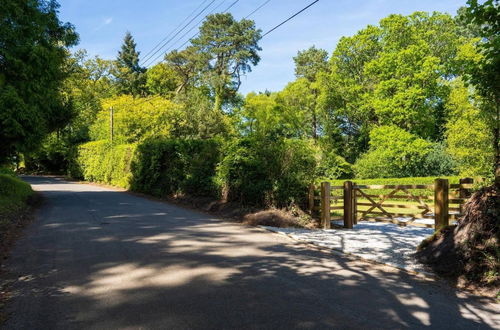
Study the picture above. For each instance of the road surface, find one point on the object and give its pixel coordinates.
(97, 258)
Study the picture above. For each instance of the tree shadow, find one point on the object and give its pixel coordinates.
(103, 259)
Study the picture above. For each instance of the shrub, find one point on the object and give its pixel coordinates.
(395, 152)
(266, 171)
(439, 162)
(333, 166)
(165, 167)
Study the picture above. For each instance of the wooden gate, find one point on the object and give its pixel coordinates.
(432, 205)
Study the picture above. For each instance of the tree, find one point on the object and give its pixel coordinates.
(136, 119)
(187, 64)
(33, 55)
(230, 48)
(310, 62)
(468, 132)
(130, 75)
(89, 81)
(298, 101)
(162, 79)
(395, 73)
(484, 71)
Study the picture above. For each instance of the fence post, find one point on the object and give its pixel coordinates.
(464, 193)
(441, 192)
(311, 198)
(325, 205)
(348, 205)
(355, 204)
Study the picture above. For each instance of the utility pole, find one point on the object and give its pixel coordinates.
(111, 123)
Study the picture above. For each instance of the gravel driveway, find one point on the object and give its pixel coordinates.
(381, 242)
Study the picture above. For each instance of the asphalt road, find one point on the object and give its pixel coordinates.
(98, 258)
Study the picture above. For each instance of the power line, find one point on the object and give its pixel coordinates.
(257, 9)
(196, 25)
(297, 13)
(194, 36)
(253, 12)
(190, 21)
(178, 26)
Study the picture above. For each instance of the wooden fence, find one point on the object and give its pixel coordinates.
(415, 205)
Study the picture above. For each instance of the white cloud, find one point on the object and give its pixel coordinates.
(104, 22)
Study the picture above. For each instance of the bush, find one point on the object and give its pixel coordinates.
(439, 162)
(165, 167)
(266, 171)
(395, 152)
(100, 161)
(333, 166)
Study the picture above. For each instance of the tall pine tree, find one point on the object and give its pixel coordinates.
(130, 76)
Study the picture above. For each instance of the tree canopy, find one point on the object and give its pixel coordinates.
(33, 55)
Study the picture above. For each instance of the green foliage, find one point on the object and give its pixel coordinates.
(53, 156)
(333, 166)
(298, 107)
(398, 181)
(14, 195)
(130, 75)
(165, 167)
(485, 20)
(310, 62)
(135, 119)
(468, 134)
(439, 162)
(266, 171)
(32, 67)
(483, 71)
(162, 79)
(89, 81)
(395, 152)
(228, 49)
(100, 161)
(390, 74)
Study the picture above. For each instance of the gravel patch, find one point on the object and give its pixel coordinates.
(381, 242)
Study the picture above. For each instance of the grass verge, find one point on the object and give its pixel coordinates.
(17, 201)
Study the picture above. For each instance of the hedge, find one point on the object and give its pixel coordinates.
(165, 167)
(101, 161)
(267, 171)
(247, 170)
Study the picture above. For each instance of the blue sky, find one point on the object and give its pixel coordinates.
(102, 25)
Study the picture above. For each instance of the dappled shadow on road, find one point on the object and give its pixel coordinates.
(111, 260)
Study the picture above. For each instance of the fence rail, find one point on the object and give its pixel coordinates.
(401, 204)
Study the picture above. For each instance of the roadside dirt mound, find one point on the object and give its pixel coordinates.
(273, 217)
(469, 253)
(250, 215)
